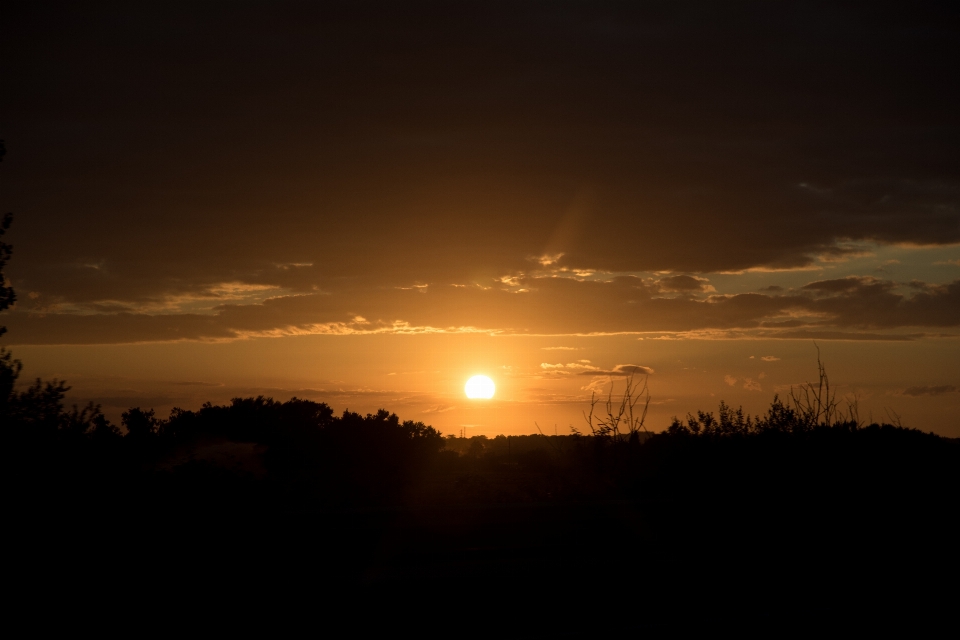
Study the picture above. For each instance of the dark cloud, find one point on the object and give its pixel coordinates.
(844, 335)
(929, 391)
(158, 151)
(870, 303)
(685, 284)
(846, 284)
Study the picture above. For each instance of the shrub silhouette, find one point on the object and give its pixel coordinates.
(619, 421)
(140, 424)
(811, 406)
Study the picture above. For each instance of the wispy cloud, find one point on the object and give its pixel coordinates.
(930, 391)
(619, 370)
(440, 408)
(197, 384)
(854, 308)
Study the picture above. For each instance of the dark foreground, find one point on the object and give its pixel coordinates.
(521, 570)
(277, 513)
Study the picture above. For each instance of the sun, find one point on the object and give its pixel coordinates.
(480, 387)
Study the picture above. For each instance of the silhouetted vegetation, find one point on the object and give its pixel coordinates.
(299, 453)
(371, 501)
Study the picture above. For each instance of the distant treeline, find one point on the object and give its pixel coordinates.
(353, 496)
(299, 453)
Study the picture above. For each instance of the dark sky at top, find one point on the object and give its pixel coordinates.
(156, 151)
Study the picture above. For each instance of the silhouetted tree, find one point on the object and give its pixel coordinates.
(9, 372)
(38, 411)
(140, 424)
(100, 429)
(9, 367)
(7, 296)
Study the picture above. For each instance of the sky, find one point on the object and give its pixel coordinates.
(367, 203)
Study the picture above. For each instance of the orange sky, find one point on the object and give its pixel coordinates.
(422, 376)
(367, 204)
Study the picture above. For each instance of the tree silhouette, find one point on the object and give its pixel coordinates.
(140, 424)
(38, 411)
(9, 367)
(7, 296)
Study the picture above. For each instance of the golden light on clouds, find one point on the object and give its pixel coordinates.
(480, 388)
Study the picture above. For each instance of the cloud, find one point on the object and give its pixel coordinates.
(685, 284)
(604, 167)
(769, 358)
(619, 370)
(197, 384)
(750, 385)
(439, 409)
(844, 284)
(730, 380)
(570, 367)
(547, 260)
(605, 164)
(842, 335)
(844, 309)
(930, 391)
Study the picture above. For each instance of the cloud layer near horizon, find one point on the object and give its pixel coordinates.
(851, 308)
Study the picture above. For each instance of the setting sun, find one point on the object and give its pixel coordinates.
(480, 387)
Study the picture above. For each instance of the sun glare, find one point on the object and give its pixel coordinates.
(480, 387)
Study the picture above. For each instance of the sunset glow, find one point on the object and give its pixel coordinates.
(539, 202)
